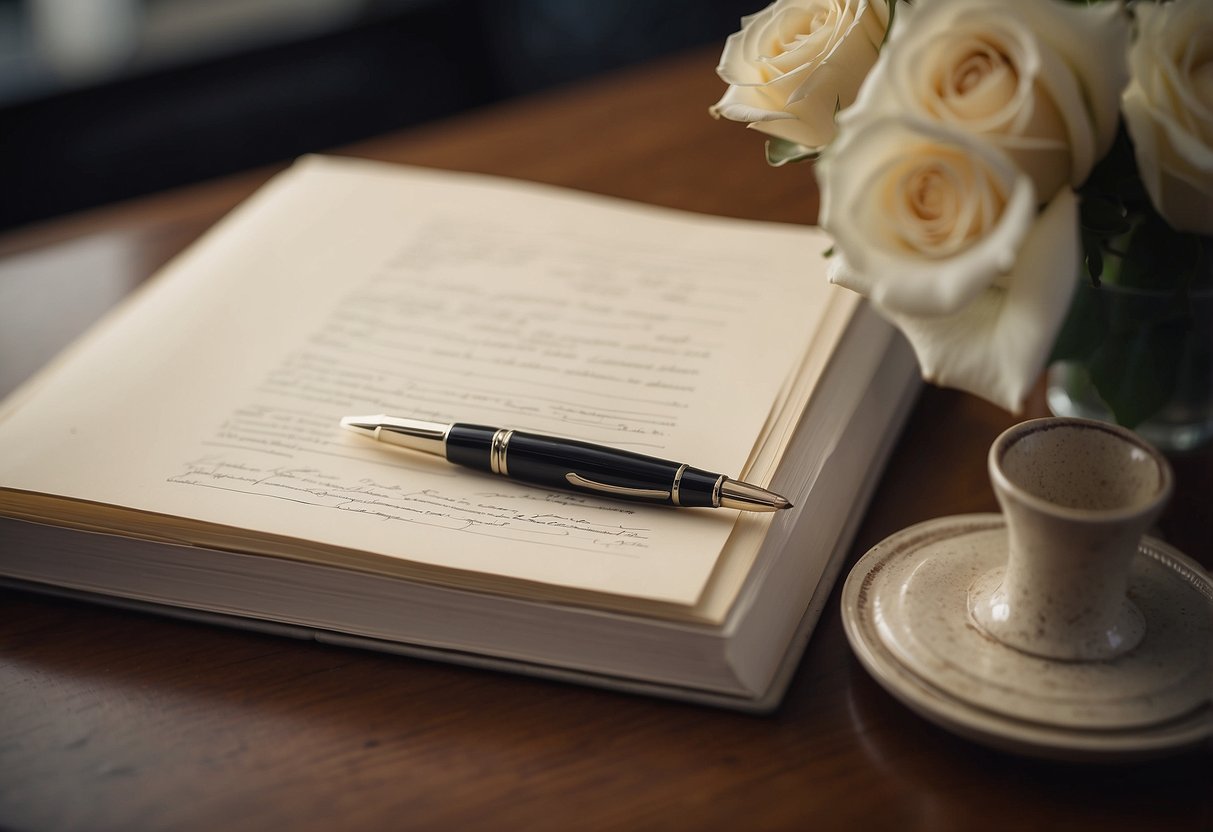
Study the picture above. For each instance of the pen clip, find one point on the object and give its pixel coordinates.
(616, 490)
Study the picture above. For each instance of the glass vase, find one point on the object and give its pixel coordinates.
(1140, 358)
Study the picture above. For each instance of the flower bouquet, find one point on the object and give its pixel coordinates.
(1009, 183)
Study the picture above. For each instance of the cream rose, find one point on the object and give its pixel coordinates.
(796, 62)
(941, 231)
(1039, 78)
(1168, 110)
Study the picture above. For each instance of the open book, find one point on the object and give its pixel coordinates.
(187, 452)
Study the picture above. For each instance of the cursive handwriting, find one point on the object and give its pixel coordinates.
(492, 513)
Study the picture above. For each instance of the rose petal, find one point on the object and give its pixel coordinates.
(746, 104)
(1087, 145)
(795, 62)
(1182, 189)
(856, 173)
(1068, 92)
(791, 129)
(997, 346)
(1091, 38)
(1163, 116)
(735, 65)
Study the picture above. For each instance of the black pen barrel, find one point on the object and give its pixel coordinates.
(581, 466)
(470, 445)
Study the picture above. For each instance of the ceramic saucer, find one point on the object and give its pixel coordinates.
(906, 614)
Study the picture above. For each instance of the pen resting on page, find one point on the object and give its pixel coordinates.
(568, 464)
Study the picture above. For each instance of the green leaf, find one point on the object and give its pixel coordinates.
(782, 151)
(1092, 248)
(1140, 350)
(1103, 216)
(1144, 346)
(1131, 188)
(1136, 372)
(888, 29)
(1157, 257)
(1085, 326)
(1202, 277)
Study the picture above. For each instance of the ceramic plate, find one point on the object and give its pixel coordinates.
(905, 610)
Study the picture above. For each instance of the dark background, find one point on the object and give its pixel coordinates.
(103, 100)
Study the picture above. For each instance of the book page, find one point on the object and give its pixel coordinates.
(350, 287)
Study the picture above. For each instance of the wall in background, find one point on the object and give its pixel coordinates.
(101, 100)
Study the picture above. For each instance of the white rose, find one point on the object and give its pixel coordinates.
(1168, 109)
(940, 230)
(1040, 78)
(794, 63)
(997, 346)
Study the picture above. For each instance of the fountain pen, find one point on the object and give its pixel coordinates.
(568, 464)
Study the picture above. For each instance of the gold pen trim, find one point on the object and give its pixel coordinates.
(677, 487)
(616, 490)
(499, 449)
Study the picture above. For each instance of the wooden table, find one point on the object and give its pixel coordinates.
(116, 720)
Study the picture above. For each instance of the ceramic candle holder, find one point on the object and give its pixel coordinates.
(1077, 496)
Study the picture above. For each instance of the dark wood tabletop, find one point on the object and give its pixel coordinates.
(119, 720)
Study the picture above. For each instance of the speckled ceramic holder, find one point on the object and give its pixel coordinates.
(1056, 628)
(1077, 497)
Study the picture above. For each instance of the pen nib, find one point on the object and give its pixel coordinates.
(742, 495)
(366, 425)
(414, 434)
